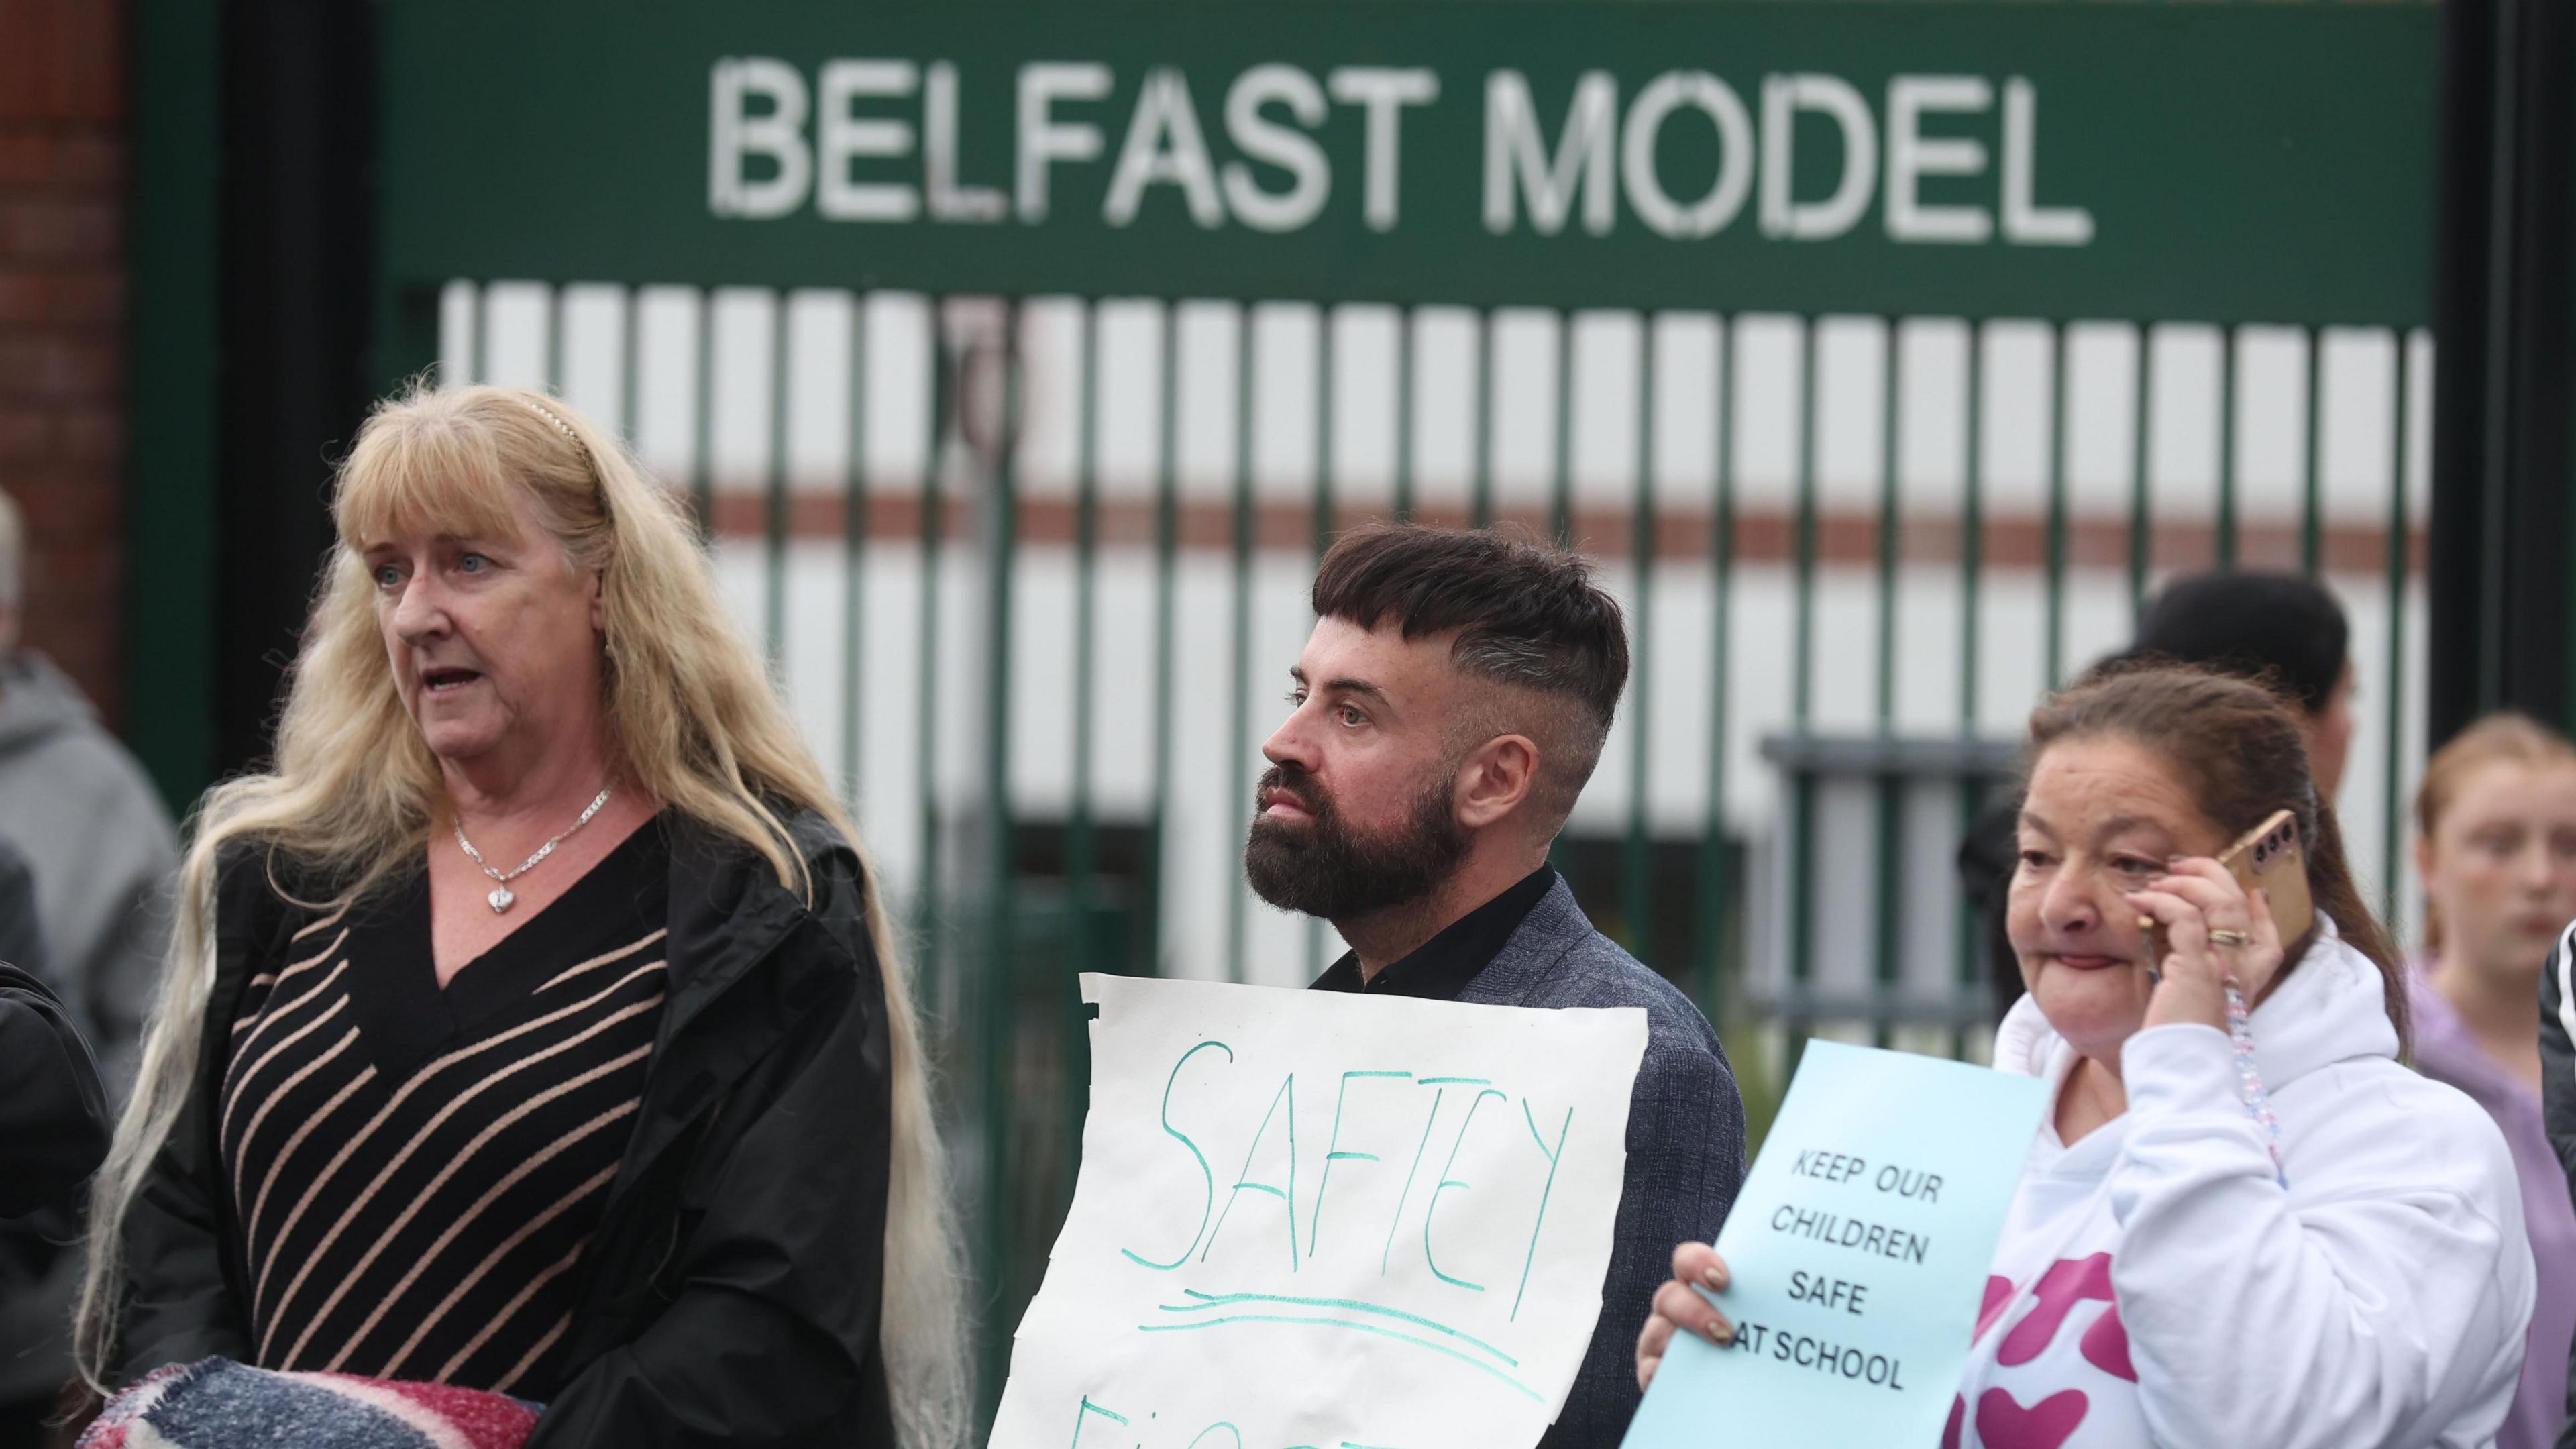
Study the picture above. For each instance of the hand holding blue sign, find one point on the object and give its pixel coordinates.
(1852, 1265)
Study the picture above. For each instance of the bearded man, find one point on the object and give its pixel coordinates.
(1447, 710)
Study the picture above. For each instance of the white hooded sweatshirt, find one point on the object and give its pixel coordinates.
(2157, 1284)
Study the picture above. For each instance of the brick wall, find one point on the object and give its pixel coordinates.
(62, 310)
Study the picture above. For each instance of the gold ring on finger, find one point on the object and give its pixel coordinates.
(2224, 937)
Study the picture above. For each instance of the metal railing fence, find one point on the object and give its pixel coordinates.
(1026, 567)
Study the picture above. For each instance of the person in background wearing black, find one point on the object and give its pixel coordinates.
(53, 1127)
(2558, 1095)
(2282, 629)
(53, 1119)
(22, 939)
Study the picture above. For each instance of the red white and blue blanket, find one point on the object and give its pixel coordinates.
(218, 1404)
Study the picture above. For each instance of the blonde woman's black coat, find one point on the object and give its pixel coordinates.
(731, 1294)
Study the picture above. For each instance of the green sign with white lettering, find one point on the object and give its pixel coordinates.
(2230, 163)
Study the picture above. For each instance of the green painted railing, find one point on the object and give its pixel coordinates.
(1157, 602)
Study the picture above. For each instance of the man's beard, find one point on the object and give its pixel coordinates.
(1323, 868)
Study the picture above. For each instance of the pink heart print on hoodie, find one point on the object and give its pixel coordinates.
(2065, 1320)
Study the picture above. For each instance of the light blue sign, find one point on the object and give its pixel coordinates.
(1858, 1254)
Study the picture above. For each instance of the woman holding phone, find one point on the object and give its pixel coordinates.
(2322, 1250)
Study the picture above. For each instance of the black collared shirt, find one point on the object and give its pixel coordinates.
(1441, 967)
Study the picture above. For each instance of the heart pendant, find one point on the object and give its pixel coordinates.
(501, 898)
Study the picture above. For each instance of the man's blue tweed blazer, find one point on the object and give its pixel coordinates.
(1685, 1138)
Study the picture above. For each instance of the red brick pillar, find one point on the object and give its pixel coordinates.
(62, 307)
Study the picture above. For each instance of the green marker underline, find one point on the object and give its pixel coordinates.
(1222, 1300)
(1515, 1385)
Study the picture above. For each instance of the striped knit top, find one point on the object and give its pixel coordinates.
(415, 1170)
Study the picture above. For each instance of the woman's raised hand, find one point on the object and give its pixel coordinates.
(2195, 900)
(1679, 1307)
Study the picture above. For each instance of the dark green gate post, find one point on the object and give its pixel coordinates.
(170, 489)
(2505, 318)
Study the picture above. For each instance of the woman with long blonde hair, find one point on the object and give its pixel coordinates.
(535, 1024)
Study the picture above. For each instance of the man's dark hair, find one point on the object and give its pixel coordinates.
(1525, 614)
(2282, 629)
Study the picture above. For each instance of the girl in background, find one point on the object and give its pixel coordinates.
(2496, 849)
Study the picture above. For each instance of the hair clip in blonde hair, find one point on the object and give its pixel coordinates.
(565, 428)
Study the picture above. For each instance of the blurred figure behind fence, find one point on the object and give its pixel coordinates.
(92, 828)
(2286, 631)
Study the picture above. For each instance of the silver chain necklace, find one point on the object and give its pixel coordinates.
(502, 897)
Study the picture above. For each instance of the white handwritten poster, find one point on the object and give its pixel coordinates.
(1325, 1220)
